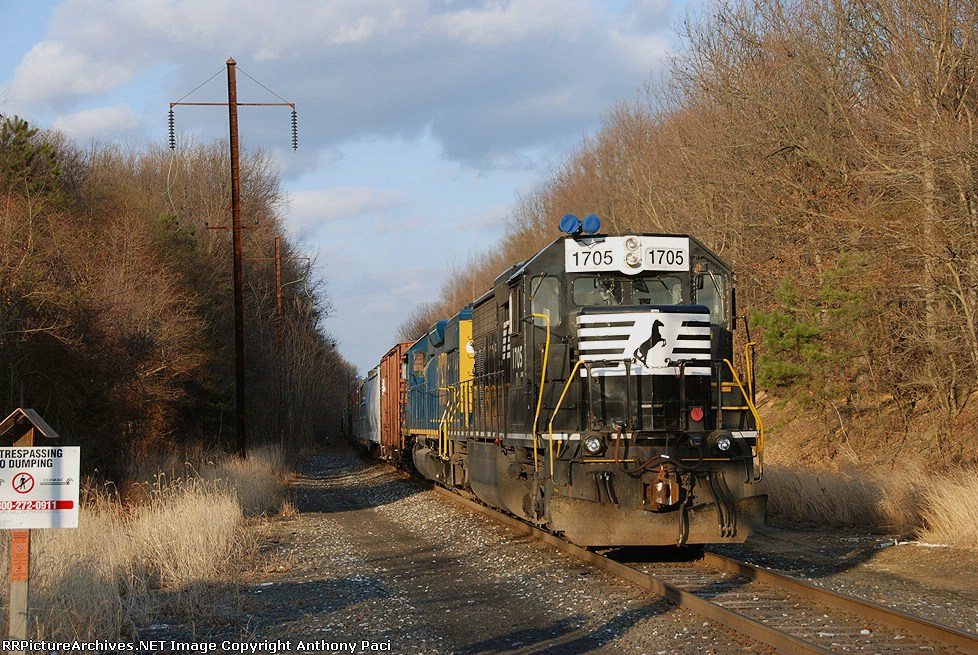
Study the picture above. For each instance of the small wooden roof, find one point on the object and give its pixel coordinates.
(22, 416)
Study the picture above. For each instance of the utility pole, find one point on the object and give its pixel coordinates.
(278, 259)
(240, 420)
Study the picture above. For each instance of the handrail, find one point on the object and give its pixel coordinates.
(748, 349)
(543, 380)
(550, 426)
(757, 419)
(443, 423)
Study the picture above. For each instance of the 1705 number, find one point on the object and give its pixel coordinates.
(666, 257)
(593, 258)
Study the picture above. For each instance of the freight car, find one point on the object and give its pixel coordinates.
(363, 416)
(590, 391)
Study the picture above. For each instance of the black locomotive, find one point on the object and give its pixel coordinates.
(591, 391)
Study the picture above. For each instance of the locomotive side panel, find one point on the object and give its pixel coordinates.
(439, 399)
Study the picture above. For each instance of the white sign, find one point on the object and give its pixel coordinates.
(628, 255)
(39, 487)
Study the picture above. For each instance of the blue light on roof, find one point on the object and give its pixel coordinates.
(591, 224)
(570, 224)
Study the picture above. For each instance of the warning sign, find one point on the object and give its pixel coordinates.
(39, 487)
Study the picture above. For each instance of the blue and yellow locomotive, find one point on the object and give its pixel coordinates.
(592, 391)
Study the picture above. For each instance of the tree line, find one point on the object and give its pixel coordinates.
(116, 315)
(827, 149)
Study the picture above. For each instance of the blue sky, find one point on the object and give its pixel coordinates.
(421, 122)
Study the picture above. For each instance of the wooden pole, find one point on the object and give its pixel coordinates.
(20, 566)
(239, 357)
(279, 322)
(240, 419)
(20, 570)
(278, 289)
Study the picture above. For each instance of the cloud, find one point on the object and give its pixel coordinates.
(499, 23)
(421, 119)
(56, 68)
(312, 211)
(492, 80)
(102, 122)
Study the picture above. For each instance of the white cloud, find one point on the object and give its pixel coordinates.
(642, 52)
(496, 23)
(311, 211)
(55, 68)
(104, 122)
(490, 218)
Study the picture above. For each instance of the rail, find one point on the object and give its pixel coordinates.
(943, 638)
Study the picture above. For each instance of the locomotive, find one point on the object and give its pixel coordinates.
(591, 391)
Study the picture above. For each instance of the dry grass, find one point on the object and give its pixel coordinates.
(879, 503)
(950, 511)
(910, 501)
(164, 546)
(82, 581)
(257, 481)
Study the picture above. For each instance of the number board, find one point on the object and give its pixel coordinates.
(611, 254)
(39, 487)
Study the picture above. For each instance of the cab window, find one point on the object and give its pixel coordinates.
(545, 299)
(659, 290)
(589, 290)
(711, 290)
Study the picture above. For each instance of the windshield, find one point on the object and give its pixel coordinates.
(708, 289)
(597, 290)
(659, 290)
(591, 290)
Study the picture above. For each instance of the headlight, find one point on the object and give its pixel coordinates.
(721, 441)
(633, 260)
(632, 243)
(593, 444)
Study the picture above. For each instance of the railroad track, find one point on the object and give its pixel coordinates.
(784, 613)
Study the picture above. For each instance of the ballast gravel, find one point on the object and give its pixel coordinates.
(379, 560)
(931, 581)
(376, 561)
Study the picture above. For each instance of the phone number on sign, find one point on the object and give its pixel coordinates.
(18, 505)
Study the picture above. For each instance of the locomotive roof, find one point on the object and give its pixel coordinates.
(513, 273)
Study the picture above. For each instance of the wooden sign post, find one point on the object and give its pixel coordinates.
(38, 489)
(20, 567)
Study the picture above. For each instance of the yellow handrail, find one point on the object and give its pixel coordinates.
(757, 419)
(543, 379)
(550, 426)
(443, 424)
